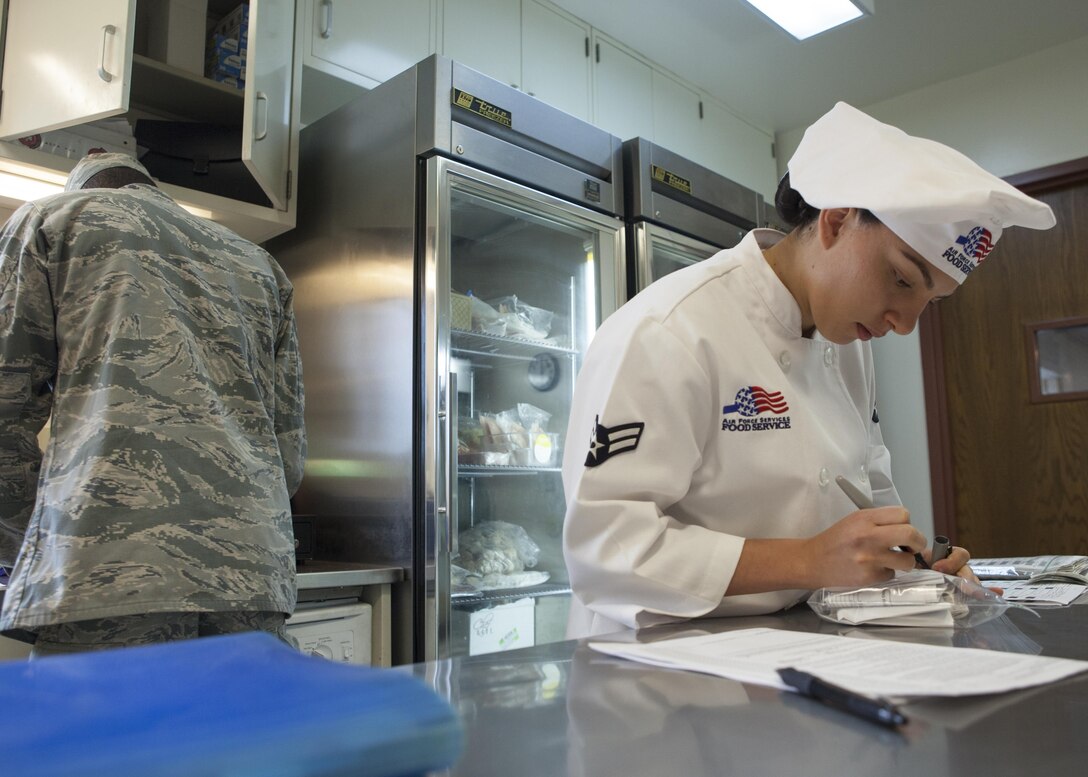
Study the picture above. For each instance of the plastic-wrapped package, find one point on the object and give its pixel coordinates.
(513, 437)
(485, 318)
(497, 547)
(917, 598)
(523, 320)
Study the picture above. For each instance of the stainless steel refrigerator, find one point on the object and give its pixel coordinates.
(679, 212)
(458, 243)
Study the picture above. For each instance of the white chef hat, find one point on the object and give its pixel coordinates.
(938, 201)
(93, 164)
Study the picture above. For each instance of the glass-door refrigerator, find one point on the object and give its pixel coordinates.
(679, 212)
(458, 243)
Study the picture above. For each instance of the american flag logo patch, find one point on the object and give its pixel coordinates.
(755, 400)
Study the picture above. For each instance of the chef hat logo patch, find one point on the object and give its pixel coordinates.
(609, 441)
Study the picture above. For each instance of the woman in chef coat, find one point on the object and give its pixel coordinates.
(719, 405)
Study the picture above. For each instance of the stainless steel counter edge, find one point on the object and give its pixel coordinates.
(334, 574)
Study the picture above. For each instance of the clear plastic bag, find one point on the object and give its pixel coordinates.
(497, 547)
(485, 318)
(523, 320)
(917, 598)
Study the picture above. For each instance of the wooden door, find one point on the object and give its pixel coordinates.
(1010, 474)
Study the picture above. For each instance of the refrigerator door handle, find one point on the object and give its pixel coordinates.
(448, 510)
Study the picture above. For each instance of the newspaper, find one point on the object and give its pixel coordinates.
(1036, 569)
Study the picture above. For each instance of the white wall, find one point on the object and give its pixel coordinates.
(1025, 114)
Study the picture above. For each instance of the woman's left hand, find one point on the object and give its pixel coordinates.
(956, 564)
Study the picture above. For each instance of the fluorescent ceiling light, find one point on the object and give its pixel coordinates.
(805, 18)
(20, 189)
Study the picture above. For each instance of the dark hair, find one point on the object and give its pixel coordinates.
(797, 213)
(115, 178)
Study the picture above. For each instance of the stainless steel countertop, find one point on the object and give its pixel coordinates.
(334, 574)
(563, 709)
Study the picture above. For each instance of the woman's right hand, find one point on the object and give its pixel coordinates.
(860, 548)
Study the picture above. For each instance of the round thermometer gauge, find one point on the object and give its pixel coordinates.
(543, 372)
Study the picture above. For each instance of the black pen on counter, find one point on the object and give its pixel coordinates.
(862, 503)
(875, 710)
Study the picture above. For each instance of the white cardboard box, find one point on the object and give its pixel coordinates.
(176, 33)
(503, 627)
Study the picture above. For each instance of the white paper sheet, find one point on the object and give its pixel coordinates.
(892, 669)
(1052, 594)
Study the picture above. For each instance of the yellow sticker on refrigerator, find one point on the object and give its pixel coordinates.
(482, 108)
(670, 179)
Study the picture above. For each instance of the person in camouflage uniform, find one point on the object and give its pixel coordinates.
(165, 348)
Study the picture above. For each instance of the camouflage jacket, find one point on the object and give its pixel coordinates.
(164, 348)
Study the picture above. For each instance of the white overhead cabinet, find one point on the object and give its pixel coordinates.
(69, 62)
(555, 58)
(349, 46)
(734, 148)
(539, 48)
(368, 42)
(532, 46)
(484, 35)
(678, 116)
(76, 68)
(623, 87)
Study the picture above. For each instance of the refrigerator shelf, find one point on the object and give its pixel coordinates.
(480, 344)
(480, 470)
(461, 600)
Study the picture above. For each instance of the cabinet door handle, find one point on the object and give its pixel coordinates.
(104, 74)
(262, 98)
(326, 22)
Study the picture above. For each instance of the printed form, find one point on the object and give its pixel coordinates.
(874, 668)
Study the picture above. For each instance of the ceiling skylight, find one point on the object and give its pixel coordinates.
(805, 18)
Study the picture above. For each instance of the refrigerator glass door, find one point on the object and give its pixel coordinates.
(660, 251)
(523, 280)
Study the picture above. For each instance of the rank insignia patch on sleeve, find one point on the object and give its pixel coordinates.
(609, 441)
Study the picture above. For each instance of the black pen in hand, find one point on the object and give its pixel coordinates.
(862, 503)
(874, 710)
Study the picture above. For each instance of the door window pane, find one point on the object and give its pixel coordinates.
(1061, 359)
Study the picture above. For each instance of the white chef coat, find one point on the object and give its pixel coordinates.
(653, 532)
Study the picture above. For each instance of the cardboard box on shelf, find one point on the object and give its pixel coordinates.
(228, 80)
(502, 627)
(460, 311)
(176, 33)
(231, 24)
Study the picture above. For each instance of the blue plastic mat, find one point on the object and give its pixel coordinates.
(242, 704)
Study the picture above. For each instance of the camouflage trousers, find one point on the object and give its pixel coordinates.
(151, 629)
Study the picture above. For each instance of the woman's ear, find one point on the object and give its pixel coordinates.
(830, 225)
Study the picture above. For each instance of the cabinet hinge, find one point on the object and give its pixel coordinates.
(289, 180)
